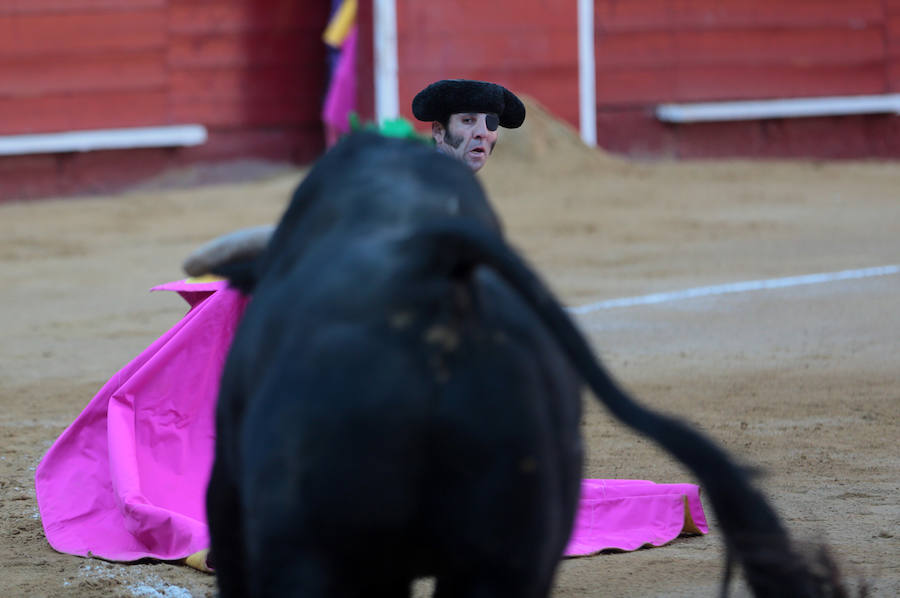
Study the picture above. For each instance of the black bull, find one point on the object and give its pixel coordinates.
(402, 399)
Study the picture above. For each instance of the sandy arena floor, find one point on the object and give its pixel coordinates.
(802, 381)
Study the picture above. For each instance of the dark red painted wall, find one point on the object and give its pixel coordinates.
(82, 65)
(252, 71)
(530, 46)
(365, 75)
(661, 51)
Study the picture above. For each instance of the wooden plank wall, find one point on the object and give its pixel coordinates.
(737, 49)
(252, 71)
(529, 46)
(658, 51)
(82, 65)
(892, 43)
(365, 61)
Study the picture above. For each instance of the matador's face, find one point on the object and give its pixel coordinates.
(469, 136)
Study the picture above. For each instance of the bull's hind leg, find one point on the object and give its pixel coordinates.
(227, 542)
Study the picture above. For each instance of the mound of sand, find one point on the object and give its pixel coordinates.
(547, 144)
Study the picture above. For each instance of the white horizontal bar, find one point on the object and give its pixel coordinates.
(737, 287)
(787, 108)
(102, 139)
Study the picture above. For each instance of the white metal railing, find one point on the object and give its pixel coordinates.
(103, 139)
(782, 108)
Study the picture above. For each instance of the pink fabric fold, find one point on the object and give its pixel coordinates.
(630, 514)
(127, 479)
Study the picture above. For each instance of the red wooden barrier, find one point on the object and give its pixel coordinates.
(252, 71)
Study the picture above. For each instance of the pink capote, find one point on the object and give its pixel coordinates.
(127, 479)
(630, 514)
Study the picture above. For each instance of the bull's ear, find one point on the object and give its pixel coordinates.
(241, 274)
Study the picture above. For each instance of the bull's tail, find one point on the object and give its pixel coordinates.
(754, 535)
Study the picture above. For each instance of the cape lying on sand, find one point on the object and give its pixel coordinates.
(127, 479)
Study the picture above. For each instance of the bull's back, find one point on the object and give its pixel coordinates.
(433, 417)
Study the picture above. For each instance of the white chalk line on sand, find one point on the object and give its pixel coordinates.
(736, 287)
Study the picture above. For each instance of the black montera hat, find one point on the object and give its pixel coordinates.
(452, 96)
